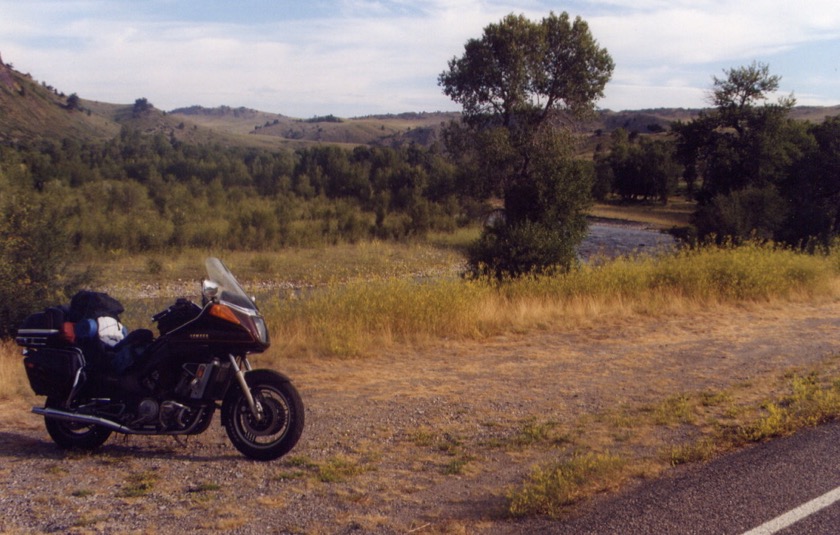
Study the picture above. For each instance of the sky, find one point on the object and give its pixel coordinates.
(352, 58)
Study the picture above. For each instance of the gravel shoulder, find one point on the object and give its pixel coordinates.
(411, 440)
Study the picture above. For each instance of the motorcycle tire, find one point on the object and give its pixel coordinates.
(74, 436)
(281, 425)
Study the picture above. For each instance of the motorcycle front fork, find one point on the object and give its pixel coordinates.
(241, 367)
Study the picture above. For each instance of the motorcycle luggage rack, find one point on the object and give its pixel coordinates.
(45, 329)
(36, 337)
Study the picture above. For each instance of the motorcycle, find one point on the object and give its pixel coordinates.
(171, 384)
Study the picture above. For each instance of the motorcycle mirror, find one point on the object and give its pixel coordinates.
(209, 290)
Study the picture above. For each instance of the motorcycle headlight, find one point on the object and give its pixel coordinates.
(262, 329)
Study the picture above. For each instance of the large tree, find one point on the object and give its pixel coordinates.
(812, 189)
(521, 85)
(741, 151)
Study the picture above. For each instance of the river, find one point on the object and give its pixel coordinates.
(609, 240)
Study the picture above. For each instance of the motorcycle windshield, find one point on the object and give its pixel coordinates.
(229, 289)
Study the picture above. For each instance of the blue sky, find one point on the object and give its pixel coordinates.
(360, 57)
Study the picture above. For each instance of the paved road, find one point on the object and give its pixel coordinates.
(737, 494)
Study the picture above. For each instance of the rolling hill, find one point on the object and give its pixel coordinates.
(420, 128)
(31, 110)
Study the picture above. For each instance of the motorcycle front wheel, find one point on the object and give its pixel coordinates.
(71, 435)
(281, 423)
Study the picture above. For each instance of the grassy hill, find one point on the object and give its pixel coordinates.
(32, 110)
(420, 128)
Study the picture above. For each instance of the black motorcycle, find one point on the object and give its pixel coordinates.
(171, 384)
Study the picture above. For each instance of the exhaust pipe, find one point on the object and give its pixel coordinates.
(81, 419)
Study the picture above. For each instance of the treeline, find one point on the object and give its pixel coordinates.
(771, 178)
(755, 172)
(140, 192)
(636, 167)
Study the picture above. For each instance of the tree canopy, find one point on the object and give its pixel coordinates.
(525, 71)
(761, 173)
(520, 85)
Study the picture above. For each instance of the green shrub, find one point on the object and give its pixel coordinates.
(507, 250)
(35, 257)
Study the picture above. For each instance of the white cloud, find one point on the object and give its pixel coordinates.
(368, 56)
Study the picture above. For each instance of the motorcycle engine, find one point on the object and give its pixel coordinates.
(174, 415)
(168, 414)
(147, 411)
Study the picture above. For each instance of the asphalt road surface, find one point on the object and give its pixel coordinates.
(786, 486)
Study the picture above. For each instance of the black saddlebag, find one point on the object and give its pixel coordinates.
(178, 314)
(46, 328)
(53, 371)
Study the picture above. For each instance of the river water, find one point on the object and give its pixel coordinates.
(609, 240)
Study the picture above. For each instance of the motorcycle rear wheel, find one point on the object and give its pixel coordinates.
(71, 435)
(281, 425)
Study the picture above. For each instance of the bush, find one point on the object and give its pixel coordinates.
(34, 257)
(513, 250)
(744, 214)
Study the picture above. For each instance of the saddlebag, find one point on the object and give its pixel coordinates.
(53, 371)
(178, 314)
(46, 328)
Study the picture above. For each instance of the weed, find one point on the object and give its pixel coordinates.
(88, 520)
(714, 399)
(154, 266)
(423, 438)
(55, 469)
(204, 487)
(261, 264)
(537, 432)
(700, 450)
(139, 484)
(456, 465)
(549, 490)
(300, 461)
(289, 475)
(810, 403)
(674, 410)
(13, 382)
(339, 469)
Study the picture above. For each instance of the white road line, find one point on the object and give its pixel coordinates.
(794, 515)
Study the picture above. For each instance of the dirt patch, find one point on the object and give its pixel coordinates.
(407, 441)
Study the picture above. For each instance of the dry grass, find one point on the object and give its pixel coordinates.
(355, 319)
(677, 213)
(13, 382)
(292, 267)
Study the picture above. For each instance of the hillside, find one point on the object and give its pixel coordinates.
(420, 128)
(32, 110)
